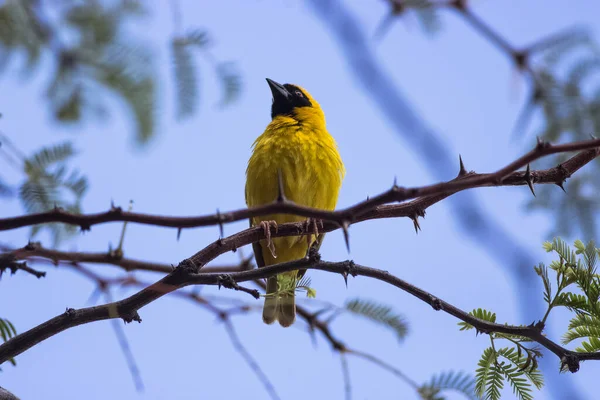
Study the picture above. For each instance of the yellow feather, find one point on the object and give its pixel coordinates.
(298, 145)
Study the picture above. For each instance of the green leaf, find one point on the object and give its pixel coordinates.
(563, 44)
(130, 72)
(71, 109)
(564, 251)
(478, 313)
(517, 370)
(50, 183)
(547, 246)
(582, 326)
(231, 83)
(592, 345)
(186, 79)
(488, 380)
(450, 380)
(7, 331)
(579, 246)
(573, 301)
(48, 156)
(582, 332)
(589, 256)
(196, 37)
(304, 285)
(20, 31)
(542, 271)
(379, 313)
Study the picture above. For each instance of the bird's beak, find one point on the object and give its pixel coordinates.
(280, 93)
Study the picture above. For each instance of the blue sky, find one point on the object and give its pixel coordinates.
(460, 84)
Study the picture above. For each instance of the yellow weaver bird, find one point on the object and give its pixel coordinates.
(297, 149)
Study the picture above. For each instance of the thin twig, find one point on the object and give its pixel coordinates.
(9, 261)
(239, 347)
(382, 364)
(126, 349)
(346, 376)
(35, 252)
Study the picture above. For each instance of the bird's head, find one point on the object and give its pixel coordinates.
(293, 101)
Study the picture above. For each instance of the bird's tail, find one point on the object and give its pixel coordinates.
(286, 309)
(270, 307)
(280, 302)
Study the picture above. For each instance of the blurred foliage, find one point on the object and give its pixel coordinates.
(379, 313)
(568, 97)
(95, 54)
(185, 72)
(575, 270)
(565, 68)
(50, 183)
(448, 381)
(426, 13)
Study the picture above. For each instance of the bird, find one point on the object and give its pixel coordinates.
(297, 155)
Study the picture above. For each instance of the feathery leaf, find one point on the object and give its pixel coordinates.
(478, 313)
(450, 380)
(379, 313)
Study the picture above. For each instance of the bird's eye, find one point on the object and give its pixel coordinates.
(298, 93)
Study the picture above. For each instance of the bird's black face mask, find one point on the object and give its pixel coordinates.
(286, 98)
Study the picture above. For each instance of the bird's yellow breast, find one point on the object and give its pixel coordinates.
(311, 168)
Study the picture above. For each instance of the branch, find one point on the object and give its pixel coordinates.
(502, 177)
(382, 364)
(127, 309)
(239, 347)
(6, 395)
(346, 376)
(9, 261)
(35, 252)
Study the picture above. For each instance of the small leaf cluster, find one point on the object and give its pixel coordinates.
(426, 13)
(516, 364)
(186, 70)
(304, 285)
(50, 183)
(574, 285)
(577, 289)
(96, 56)
(378, 313)
(567, 93)
(7, 331)
(441, 383)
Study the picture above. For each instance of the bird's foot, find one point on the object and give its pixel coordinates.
(266, 225)
(312, 224)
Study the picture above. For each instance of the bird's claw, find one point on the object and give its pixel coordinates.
(266, 225)
(312, 224)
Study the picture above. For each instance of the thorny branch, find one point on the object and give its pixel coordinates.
(127, 309)
(187, 272)
(503, 177)
(9, 261)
